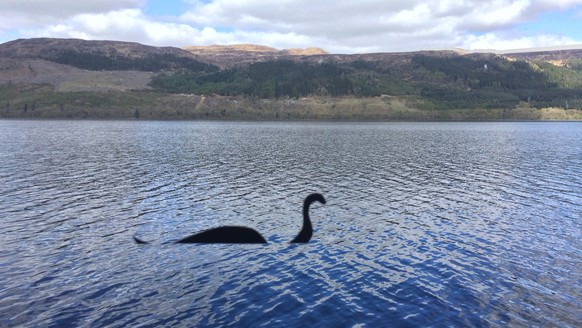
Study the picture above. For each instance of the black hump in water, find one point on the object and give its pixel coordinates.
(227, 234)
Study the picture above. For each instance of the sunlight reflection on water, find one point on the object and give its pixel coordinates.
(426, 223)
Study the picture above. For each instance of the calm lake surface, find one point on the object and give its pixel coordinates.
(426, 224)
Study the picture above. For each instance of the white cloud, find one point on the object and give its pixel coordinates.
(125, 24)
(341, 26)
(491, 41)
(133, 25)
(372, 24)
(35, 13)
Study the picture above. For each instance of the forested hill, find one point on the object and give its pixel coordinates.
(442, 80)
(426, 81)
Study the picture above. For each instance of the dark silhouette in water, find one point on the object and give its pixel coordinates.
(307, 231)
(227, 234)
(244, 235)
(139, 241)
(220, 235)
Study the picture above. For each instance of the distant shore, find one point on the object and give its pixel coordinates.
(144, 105)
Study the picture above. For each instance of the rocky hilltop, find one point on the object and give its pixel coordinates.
(252, 48)
(244, 54)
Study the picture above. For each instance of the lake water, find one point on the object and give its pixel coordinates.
(426, 224)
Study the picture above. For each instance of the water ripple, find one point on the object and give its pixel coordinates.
(464, 224)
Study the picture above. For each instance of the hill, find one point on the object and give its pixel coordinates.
(103, 55)
(79, 78)
(564, 57)
(245, 54)
(436, 80)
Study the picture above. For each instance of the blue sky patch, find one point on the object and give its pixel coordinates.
(165, 7)
(567, 23)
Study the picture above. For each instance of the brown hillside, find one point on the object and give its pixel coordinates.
(68, 78)
(245, 54)
(47, 48)
(230, 48)
(556, 57)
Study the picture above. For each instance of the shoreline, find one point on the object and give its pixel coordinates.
(243, 120)
(147, 105)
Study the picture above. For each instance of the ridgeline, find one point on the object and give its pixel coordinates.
(78, 79)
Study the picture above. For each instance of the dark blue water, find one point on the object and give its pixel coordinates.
(432, 224)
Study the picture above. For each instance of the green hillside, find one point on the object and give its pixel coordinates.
(457, 82)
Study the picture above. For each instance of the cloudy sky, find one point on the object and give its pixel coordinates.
(338, 26)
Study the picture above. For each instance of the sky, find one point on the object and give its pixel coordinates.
(337, 26)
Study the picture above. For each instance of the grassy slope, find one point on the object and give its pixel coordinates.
(42, 101)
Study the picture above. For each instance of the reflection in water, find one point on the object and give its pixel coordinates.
(473, 224)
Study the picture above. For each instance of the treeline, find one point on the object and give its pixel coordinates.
(274, 79)
(286, 78)
(488, 81)
(442, 82)
(39, 101)
(118, 62)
